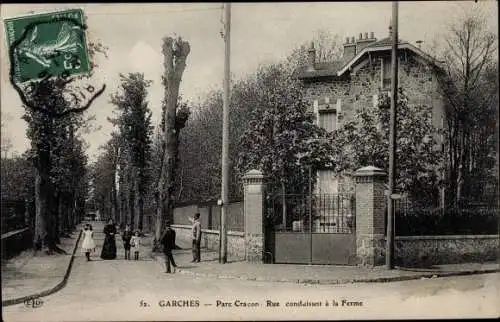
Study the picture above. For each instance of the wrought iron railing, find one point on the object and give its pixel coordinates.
(317, 213)
(412, 218)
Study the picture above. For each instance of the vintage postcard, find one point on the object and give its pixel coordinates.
(249, 161)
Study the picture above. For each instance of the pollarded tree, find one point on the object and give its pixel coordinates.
(174, 117)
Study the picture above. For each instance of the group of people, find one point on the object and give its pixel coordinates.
(132, 242)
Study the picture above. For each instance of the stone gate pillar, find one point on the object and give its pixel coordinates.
(370, 216)
(253, 207)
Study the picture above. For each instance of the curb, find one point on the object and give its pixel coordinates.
(52, 290)
(418, 275)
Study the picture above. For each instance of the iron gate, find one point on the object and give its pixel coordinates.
(311, 229)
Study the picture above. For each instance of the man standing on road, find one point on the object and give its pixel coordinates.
(168, 242)
(196, 238)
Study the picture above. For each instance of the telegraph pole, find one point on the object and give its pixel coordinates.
(389, 252)
(225, 136)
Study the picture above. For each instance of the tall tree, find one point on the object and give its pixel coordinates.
(48, 108)
(174, 117)
(199, 170)
(135, 127)
(471, 93)
(281, 138)
(328, 47)
(6, 139)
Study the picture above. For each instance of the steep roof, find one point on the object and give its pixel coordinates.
(338, 68)
(321, 70)
(384, 42)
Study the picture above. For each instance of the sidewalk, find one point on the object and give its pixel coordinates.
(27, 275)
(312, 274)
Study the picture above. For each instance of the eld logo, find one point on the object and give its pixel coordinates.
(33, 303)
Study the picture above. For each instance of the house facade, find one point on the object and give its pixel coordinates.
(335, 90)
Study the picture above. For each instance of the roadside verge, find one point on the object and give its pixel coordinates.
(52, 290)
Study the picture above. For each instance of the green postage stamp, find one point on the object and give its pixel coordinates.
(47, 44)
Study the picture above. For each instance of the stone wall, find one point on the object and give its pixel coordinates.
(210, 215)
(434, 250)
(425, 251)
(15, 242)
(210, 241)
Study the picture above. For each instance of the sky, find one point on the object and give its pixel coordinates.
(260, 33)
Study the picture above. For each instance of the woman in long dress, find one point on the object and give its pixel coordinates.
(88, 244)
(109, 246)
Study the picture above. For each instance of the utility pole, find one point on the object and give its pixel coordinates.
(389, 252)
(225, 137)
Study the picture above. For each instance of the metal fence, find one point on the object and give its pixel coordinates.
(318, 213)
(463, 218)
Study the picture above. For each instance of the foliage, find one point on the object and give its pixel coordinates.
(281, 139)
(469, 84)
(18, 179)
(57, 154)
(199, 175)
(453, 221)
(364, 140)
(5, 138)
(328, 48)
(102, 177)
(134, 123)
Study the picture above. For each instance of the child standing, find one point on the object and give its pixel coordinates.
(88, 244)
(126, 237)
(135, 242)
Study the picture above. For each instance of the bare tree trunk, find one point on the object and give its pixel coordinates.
(175, 53)
(40, 205)
(122, 201)
(116, 209)
(141, 211)
(136, 198)
(130, 201)
(112, 207)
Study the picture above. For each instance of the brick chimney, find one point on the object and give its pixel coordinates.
(353, 46)
(311, 57)
(364, 42)
(349, 49)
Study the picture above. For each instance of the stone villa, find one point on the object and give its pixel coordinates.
(336, 89)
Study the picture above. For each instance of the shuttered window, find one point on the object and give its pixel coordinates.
(375, 101)
(386, 70)
(328, 121)
(316, 112)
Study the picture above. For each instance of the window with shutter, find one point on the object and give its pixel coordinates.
(375, 101)
(386, 73)
(316, 111)
(340, 114)
(328, 121)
